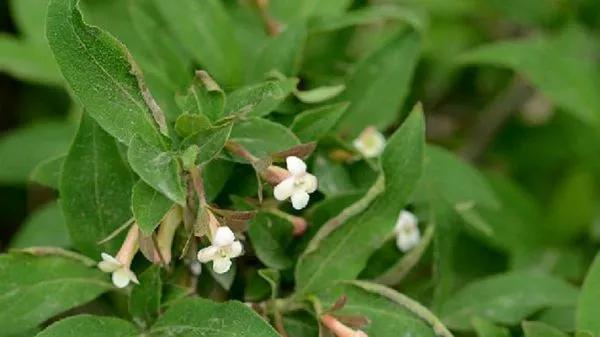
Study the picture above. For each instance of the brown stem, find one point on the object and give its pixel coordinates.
(272, 27)
(494, 116)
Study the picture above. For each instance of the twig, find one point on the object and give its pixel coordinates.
(494, 116)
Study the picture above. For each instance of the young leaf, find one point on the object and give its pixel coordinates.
(90, 326)
(189, 124)
(44, 227)
(144, 303)
(587, 308)
(259, 99)
(206, 24)
(210, 142)
(387, 316)
(281, 53)
(149, 207)
(338, 251)
(98, 68)
(313, 124)
(370, 15)
(205, 97)
(95, 189)
(209, 319)
(506, 299)
(380, 84)
(262, 137)
(269, 235)
(157, 168)
(36, 288)
(537, 329)
(23, 149)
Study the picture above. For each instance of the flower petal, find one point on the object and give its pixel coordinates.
(235, 249)
(406, 242)
(121, 277)
(295, 165)
(300, 199)
(207, 254)
(108, 267)
(221, 265)
(223, 237)
(284, 189)
(406, 220)
(311, 183)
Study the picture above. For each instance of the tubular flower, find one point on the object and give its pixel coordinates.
(298, 185)
(224, 247)
(120, 265)
(370, 143)
(407, 231)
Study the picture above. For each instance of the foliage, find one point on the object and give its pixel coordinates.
(264, 152)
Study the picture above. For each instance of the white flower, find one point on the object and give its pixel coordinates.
(224, 247)
(121, 274)
(370, 143)
(298, 185)
(407, 231)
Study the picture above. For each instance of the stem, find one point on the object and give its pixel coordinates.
(494, 116)
(272, 27)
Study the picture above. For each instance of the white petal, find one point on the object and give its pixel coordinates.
(221, 265)
(121, 278)
(223, 237)
(284, 189)
(207, 254)
(300, 199)
(406, 242)
(295, 165)
(406, 220)
(310, 183)
(108, 263)
(235, 249)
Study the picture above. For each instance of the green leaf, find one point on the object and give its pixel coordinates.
(537, 329)
(90, 326)
(44, 227)
(23, 149)
(369, 15)
(149, 207)
(281, 53)
(204, 97)
(210, 142)
(202, 317)
(144, 303)
(574, 80)
(225, 280)
(388, 312)
(270, 235)
(98, 68)
(262, 137)
(485, 328)
(319, 94)
(338, 251)
(301, 324)
(48, 172)
(36, 288)
(206, 24)
(259, 99)
(30, 16)
(216, 173)
(380, 84)
(313, 124)
(587, 308)
(190, 124)
(505, 298)
(157, 168)
(95, 189)
(28, 61)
